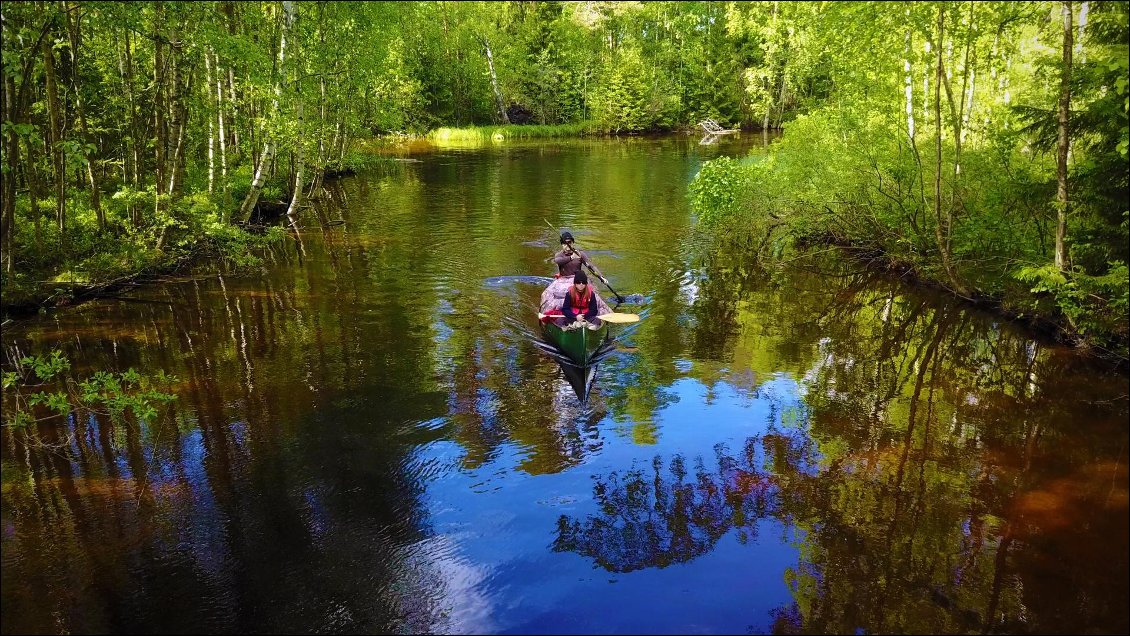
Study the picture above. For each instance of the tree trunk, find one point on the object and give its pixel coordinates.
(228, 9)
(941, 221)
(297, 196)
(74, 29)
(321, 167)
(1084, 9)
(908, 89)
(910, 130)
(12, 156)
(252, 197)
(179, 123)
(211, 125)
(771, 75)
(222, 138)
(161, 140)
(494, 83)
(1064, 145)
(55, 139)
(134, 132)
(234, 114)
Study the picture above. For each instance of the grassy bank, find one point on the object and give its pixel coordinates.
(489, 134)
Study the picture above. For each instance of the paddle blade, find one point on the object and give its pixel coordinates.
(620, 319)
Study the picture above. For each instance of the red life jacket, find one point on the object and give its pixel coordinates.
(580, 304)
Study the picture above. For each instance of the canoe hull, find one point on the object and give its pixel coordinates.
(578, 344)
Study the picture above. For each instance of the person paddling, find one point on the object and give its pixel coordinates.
(570, 259)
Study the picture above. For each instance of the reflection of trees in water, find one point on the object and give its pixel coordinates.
(957, 489)
(224, 512)
(657, 516)
(938, 431)
(731, 275)
(500, 393)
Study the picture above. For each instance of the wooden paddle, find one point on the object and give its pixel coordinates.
(619, 319)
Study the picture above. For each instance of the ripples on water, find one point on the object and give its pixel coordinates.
(370, 435)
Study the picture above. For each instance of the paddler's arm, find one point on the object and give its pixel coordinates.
(595, 269)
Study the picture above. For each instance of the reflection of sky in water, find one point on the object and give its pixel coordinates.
(499, 574)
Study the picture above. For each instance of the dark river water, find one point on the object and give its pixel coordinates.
(368, 438)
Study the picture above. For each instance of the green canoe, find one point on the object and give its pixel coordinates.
(578, 344)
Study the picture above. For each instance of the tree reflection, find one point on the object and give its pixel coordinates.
(939, 474)
(666, 515)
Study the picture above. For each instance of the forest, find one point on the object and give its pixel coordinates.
(977, 146)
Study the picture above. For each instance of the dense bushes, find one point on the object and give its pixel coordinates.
(855, 181)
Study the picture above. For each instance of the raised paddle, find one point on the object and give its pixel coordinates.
(619, 298)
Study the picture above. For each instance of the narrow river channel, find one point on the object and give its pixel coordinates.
(367, 438)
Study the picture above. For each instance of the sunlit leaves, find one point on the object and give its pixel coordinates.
(115, 393)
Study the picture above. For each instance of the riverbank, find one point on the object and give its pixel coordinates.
(496, 134)
(487, 134)
(95, 263)
(1037, 315)
(985, 234)
(1035, 312)
(31, 294)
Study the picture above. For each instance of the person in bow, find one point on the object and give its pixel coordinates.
(580, 303)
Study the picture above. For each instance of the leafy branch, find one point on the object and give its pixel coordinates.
(107, 393)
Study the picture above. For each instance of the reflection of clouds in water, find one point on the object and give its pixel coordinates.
(447, 599)
(815, 372)
(688, 287)
(497, 282)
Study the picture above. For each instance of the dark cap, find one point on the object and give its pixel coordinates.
(566, 236)
(580, 277)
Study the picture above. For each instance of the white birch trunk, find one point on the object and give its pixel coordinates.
(1083, 10)
(235, 107)
(223, 138)
(909, 88)
(297, 196)
(1063, 147)
(252, 197)
(211, 126)
(494, 84)
(968, 108)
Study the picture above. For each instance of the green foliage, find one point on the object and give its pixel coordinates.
(127, 391)
(1095, 305)
(854, 171)
(853, 83)
(634, 97)
(45, 368)
(720, 192)
(117, 393)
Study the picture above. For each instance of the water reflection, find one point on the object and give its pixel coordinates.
(366, 439)
(657, 517)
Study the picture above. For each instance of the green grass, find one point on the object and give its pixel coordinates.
(497, 134)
